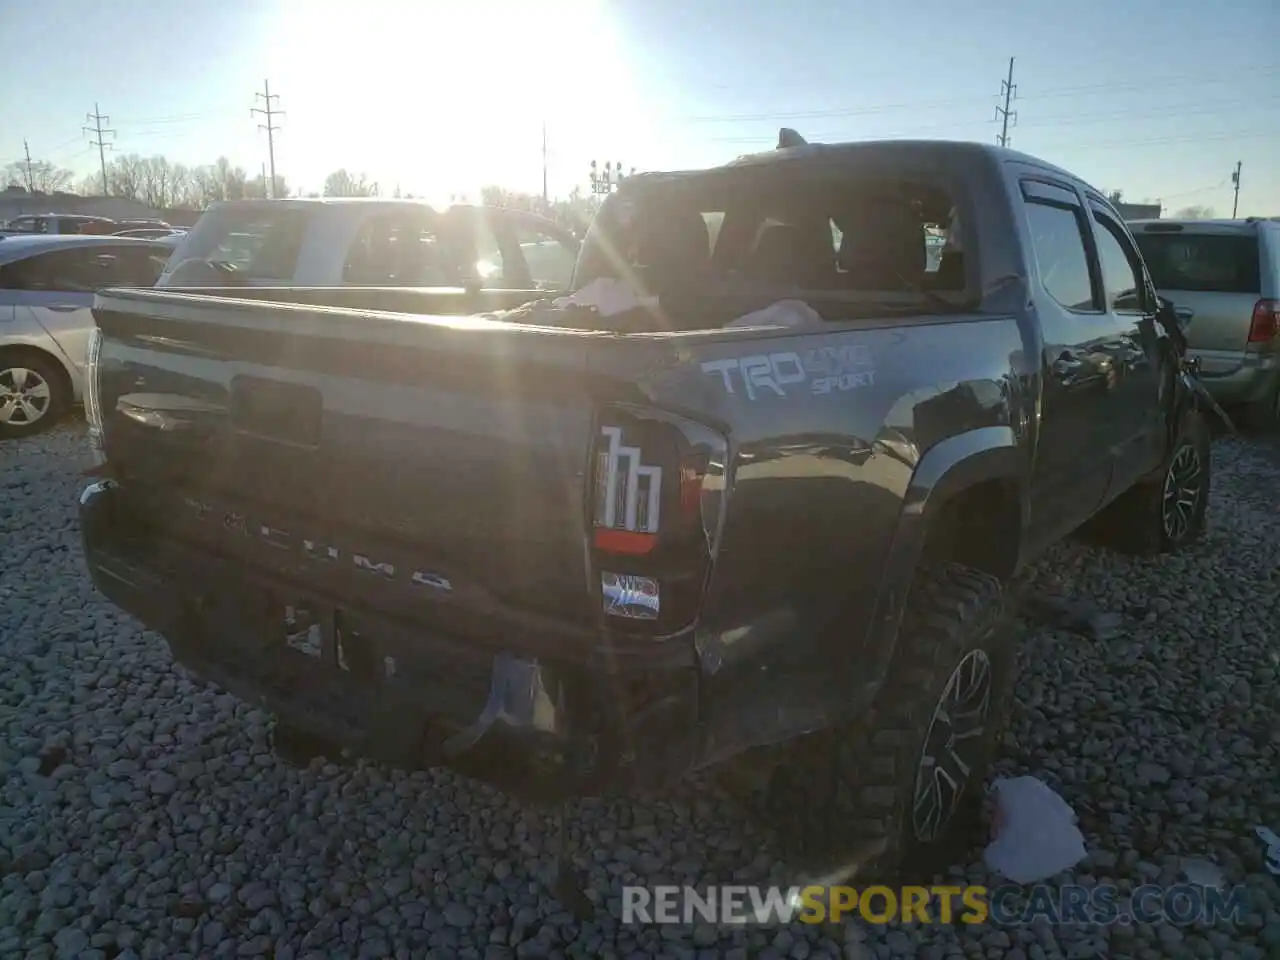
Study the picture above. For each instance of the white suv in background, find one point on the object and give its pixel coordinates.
(47, 283)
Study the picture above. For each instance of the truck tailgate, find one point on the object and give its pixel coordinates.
(433, 468)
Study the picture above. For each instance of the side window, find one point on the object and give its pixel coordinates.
(26, 274)
(714, 219)
(61, 271)
(1058, 241)
(136, 266)
(391, 251)
(263, 245)
(490, 265)
(1121, 275)
(86, 270)
(549, 260)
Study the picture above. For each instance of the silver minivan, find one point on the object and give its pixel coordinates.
(1224, 277)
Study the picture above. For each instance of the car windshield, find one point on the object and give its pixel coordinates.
(261, 241)
(1202, 262)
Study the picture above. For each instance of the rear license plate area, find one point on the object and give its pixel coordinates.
(329, 637)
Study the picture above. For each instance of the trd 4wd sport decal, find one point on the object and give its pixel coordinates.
(813, 372)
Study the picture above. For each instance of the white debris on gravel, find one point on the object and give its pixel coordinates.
(142, 813)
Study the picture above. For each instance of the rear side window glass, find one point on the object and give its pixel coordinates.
(82, 270)
(1121, 275)
(261, 243)
(395, 251)
(1057, 238)
(548, 259)
(1203, 263)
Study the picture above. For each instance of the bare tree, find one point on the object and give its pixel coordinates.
(90, 185)
(231, 179)
(125, 176)
(217, 181)
(1197, 212)
(180, 192)
(257, 187)
(156, 186)
(44, 176)
(342, 183)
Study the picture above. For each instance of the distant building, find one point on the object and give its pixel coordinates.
(1139, 211)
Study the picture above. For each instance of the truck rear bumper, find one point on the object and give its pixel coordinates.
(396, 693)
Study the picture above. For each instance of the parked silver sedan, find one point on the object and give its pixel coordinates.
(47, 283)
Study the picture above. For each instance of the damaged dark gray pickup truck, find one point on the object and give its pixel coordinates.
(570, 549)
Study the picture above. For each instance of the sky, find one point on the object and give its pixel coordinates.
(1158, 98)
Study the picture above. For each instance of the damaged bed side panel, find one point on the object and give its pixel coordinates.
(825, 430)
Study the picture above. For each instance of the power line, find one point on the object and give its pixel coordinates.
(1203, 138)
(1047, 93)
(173, 118)
(269, 112)
(1133, 85)
(97, 117)
(1064, 119)
(1009, 91)
(1183, 194)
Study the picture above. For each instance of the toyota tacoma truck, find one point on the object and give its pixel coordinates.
(761, 518)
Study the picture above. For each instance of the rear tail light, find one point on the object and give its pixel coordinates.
(1266, 321)
(657, 496)
(93, 396)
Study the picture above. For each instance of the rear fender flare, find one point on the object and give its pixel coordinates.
(946, 470)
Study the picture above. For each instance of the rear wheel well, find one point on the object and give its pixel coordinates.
(979, 527)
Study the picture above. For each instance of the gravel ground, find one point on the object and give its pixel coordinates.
(143, 814)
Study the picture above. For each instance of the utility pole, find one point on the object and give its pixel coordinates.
(1009, 91)
(30, 183)
(269, 112)
(1235, 178)
(97, 117)
(545, 201)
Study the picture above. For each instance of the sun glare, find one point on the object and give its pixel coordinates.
(435, 93)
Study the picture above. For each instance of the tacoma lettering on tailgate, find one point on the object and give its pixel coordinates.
(313, 549)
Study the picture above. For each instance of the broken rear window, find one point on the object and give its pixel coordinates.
(792, 234)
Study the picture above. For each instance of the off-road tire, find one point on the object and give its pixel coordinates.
(1135, 522)
(51, 372)
(845, 797)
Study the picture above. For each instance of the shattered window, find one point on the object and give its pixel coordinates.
(825, 237)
